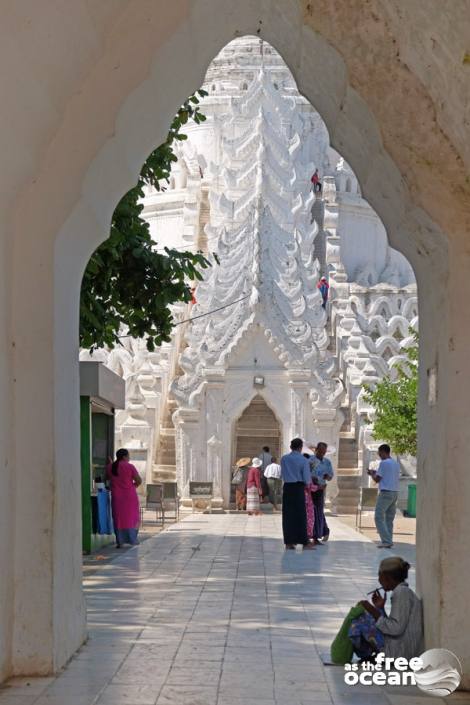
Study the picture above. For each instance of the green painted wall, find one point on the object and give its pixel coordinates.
(85, 458)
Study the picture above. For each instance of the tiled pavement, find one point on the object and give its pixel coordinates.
(213, 611)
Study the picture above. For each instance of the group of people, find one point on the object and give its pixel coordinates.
(257, 480)
(305, 476)
(301, 477)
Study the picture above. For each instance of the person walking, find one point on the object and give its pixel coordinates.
(322, 472)
(266, 459)
(324, 288)
(317, 185)
(273, 478)
(253, 487)
(387, 476)
(295, 473)
(124, 479)
(239, 481)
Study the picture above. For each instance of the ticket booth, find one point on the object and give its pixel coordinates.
(101, 393)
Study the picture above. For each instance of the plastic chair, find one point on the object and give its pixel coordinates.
(171, 497)
(154, 500)
(367, 502)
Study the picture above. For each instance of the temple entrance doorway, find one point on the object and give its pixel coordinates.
(255, 428)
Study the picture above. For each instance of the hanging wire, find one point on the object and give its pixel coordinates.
(214, 310)
(202, 315)
(178, 249)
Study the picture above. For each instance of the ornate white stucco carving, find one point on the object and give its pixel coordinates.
(261, 218)
(241, 188)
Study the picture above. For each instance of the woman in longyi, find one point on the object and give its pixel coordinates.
(398, 632)
(253, 487)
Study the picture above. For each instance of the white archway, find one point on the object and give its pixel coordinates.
(60, 219)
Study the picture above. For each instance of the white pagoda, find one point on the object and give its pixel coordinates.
(260, 360)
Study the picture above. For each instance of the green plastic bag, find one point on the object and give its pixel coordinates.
(342, 648)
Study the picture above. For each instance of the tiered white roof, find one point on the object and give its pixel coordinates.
(261, 202)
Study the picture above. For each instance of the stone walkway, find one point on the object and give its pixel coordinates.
(213, 611)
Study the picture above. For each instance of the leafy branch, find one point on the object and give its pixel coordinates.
(127, 283)
(395, 403)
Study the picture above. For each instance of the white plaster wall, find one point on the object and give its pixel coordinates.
(166, 227)
(7, 470)
(83, 109)
(364, 244)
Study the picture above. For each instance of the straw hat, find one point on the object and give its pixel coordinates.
(242, 462)
(256, 462)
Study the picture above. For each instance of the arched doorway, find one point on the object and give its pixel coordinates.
(255, 428)
(98, 172)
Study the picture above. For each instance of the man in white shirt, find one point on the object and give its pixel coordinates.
(266, 458)
(272, 474)
(388, 478)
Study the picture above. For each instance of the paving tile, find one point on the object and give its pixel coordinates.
(64, 700)
(16, 699)
(238, 622)
(187, 695)
(129, 694)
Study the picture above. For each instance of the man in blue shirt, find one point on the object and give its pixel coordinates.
(295, 473)
(322, 472)
(388, 478)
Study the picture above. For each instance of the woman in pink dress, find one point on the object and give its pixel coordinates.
(309, 506)
(253, 487)
(123, 480)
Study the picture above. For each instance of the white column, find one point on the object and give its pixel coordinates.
(299, 402)
(214, 429)
(187, 445)
(327, 423)
(443, 525)
(48, 622)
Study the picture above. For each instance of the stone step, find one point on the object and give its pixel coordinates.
(164, 473)
(347, 455)
(347, 470)
(347, 450)
(168, 454)
(167, 457)
(349, 492)
(347, 435)
(350, 502)
(349, 482)
(346, 510)
(347, 438)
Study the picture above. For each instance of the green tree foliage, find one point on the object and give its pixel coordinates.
(129, 283)
(395, 403)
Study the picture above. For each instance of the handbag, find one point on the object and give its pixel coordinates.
(342, 649)
(238, 478)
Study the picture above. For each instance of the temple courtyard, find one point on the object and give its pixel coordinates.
(213, 611)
